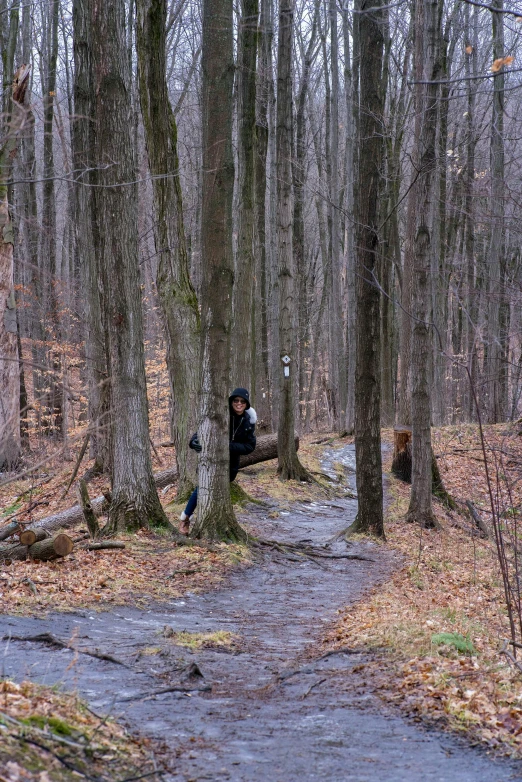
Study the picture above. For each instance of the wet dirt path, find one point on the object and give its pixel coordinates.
(271, 711)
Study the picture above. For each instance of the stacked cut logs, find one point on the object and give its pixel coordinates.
(37, 544)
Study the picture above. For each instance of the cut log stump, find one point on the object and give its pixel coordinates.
(51, 548)
(401, 465)
(45, 549)
(30, 536)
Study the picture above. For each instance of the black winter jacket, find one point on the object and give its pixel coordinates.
(242, 436)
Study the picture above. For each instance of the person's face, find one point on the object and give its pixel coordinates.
(238, 405)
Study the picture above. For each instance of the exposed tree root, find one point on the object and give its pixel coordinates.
(52, 640)
(303, 550)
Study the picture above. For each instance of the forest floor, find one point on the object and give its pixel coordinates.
(284, 662)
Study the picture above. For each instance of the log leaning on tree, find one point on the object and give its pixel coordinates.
(266, 448)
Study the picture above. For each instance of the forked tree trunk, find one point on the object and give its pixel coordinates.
(135, 501)
(216, 518)
(289, 466)
(177, 296)
(9, 366)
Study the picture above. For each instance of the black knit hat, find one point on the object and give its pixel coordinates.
(243, 393)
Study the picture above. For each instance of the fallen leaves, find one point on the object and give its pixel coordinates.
(149, 569)
(37, 723)
(449, 589)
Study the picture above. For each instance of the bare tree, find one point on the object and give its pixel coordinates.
(9, 367)
(289, 467)
(243, 302)
(87, 240)
(177, 295)
(216, 518)
(427, 58)
(135, 501)
(367, 372)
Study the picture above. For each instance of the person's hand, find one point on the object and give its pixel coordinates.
(195, 444)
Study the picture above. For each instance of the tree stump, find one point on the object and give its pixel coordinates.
(401, 465)
(88, 512)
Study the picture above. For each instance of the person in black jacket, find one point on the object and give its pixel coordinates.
(242, 439)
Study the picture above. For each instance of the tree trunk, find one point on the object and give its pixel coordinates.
(9, 365)
(135, 501)
(289, 466)
(349, 232)
(367, 375)
(87, 241)
(336, 315)
(264, 90)
(243, 302)
(216, 518)
(177, 296)
(299, 180)
(48, 250)
(427, 53)
(495, 364)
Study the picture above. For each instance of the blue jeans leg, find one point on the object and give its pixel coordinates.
(192, 502)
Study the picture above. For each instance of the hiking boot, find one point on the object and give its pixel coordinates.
(184, 527)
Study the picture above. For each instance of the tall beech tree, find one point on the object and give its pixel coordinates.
(368, 327)
(135, 501)
(176, 293)
(216, 518)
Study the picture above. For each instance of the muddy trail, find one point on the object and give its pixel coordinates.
(268, 707)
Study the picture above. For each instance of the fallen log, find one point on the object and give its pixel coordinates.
(44, 550)
(51, 548)
(9, 529)
(109, 544)
(30, 536)
(266, 448)
(19, 550)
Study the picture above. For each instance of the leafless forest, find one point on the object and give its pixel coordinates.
(193, 192)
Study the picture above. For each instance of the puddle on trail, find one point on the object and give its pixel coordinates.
(272, 712)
